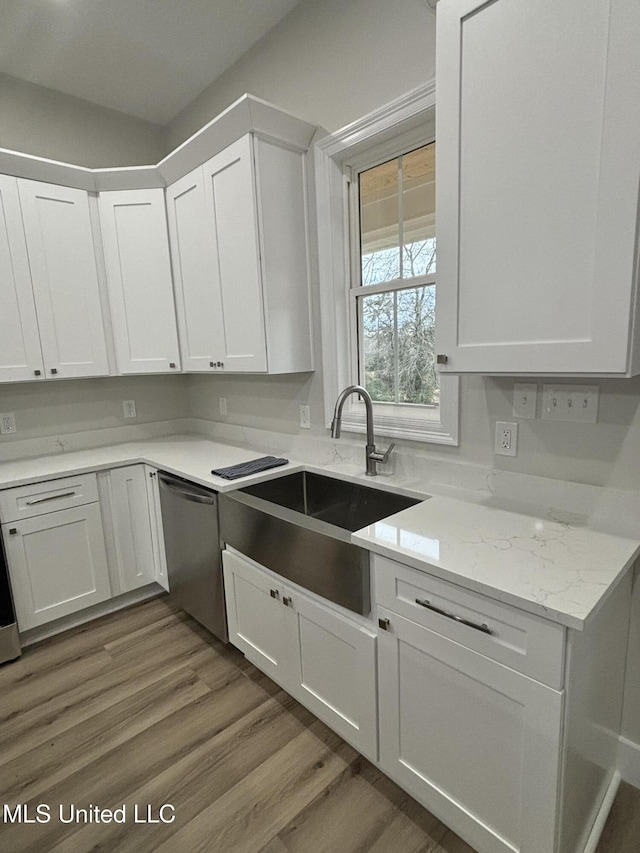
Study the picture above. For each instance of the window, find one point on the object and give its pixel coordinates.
(393, 300)
(375, 183)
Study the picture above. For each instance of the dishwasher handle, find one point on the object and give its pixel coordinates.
(195, 497)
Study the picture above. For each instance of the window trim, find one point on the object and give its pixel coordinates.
(373, 138)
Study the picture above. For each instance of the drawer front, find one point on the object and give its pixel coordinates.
(519, 640)
(50, 496)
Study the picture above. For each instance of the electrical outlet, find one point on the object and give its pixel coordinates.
(8, 424)
(525, 397)
(570, 403)
(129, 408)
(223, 406)
(305, 417)
(506, 439)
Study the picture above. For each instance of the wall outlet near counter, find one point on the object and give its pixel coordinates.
(129, 408)
(305, 417)
(223, 406)
(8, 424)
(506, 439)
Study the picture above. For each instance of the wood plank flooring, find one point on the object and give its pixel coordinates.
(143, 708)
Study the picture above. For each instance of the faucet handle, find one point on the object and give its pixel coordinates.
(383, 458)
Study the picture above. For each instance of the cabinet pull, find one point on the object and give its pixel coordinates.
(211, 364)
(484, 627)
(172, 364)
(37, 373)
(286, 600)
(13, 531)
(384, 624)
(54, 370)
(274, 593)
(50, 498)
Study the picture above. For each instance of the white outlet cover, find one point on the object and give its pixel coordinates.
(506, 439)
(305, 417)
(8, 423)
(129, 408)
(223, 406)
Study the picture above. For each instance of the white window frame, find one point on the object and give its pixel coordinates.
(406, 123)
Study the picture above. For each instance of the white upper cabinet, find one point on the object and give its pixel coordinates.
(196, 275)
(20, 353)
(64, 275)
(537, 186)
(238, 232)
(136, 246)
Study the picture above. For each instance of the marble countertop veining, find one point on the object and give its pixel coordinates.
(557, 569)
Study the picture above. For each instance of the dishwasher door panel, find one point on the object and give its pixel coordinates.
(192, 543)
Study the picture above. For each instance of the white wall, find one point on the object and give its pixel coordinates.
(78, 405)
(327, 61)
(49, 124)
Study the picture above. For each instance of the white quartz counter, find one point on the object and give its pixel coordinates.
(560, 571)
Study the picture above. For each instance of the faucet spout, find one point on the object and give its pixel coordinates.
(372, 457)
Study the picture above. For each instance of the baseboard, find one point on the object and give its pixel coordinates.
(603, 814)
(629, 761)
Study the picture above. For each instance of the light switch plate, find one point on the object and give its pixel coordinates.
(578, 403)
(525, 398)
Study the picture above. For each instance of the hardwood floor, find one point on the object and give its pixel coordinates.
(143, 708)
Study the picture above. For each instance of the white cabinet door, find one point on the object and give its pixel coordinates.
(196, 275)
(537, 184)
(136, 245)
(256, 619)
(230, 195)
(157, 532)
(65, 279)
(335, 669)
(57, 564)
(132, 526)
(20, 353)
(475, 742)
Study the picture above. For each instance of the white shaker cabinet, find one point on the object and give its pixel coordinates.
(157, 530)
(477, 740)
(323, 658)
(136, 245)
(238, 230)
(537, 186)
(55, 546)
(62, 257)
(20, 352)
(132, 527)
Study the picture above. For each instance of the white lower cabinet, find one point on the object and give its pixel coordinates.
(322, 658)
(157, 533)
(476, 740)
(135, 554)
(57, 564)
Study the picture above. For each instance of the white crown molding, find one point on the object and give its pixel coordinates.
(246, 115)
(398, 114)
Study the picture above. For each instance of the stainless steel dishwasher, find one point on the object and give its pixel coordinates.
(192, 544)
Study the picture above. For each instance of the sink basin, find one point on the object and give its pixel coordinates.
(350, 506)
(299, 526)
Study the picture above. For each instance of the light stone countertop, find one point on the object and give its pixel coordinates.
(561, 571)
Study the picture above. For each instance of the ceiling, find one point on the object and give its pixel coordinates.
(147, 58)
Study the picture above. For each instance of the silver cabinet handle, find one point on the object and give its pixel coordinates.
(484, 627)
(274, 593)
(194, 497)
(50, 498)
(286, 600)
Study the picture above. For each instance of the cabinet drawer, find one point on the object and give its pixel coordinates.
(39, 498)
(519, 640)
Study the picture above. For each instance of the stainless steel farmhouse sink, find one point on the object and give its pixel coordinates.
(300, 525)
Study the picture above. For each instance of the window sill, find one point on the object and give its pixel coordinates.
(410, 429)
